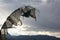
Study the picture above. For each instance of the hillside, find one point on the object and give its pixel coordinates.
(32, 37)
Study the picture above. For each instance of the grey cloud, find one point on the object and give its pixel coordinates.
(49, 19)
(11, 5)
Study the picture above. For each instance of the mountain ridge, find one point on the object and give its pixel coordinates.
(32, 37)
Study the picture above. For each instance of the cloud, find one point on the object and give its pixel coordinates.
(47, 20)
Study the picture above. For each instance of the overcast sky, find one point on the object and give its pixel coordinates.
(48, 20)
